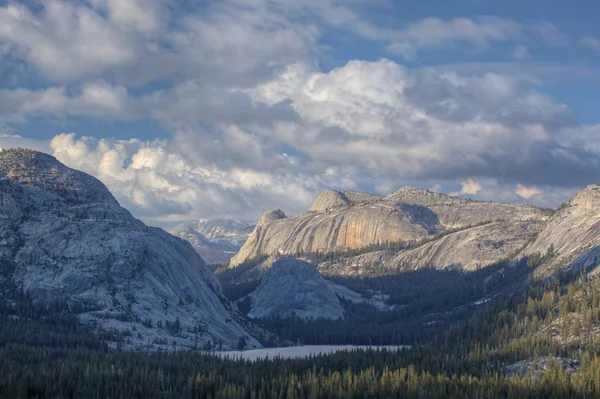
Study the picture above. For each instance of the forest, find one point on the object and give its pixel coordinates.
(468, 360)
(46, 354)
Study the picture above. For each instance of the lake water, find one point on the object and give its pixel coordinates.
(295, 352)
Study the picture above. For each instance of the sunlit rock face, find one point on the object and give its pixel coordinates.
(63, 237)
(572, 233)
(344, 220)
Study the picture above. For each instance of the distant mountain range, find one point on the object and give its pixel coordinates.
(216, 240)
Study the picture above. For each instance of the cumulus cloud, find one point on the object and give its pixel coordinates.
(230, 42)
(161, 185)
(470, 186)
(423, 124)
(527, 192)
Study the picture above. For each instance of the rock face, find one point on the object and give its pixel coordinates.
(294, 287)
(215, 240)
(343, 220)
(466, 249)
(573, 233)
(68, 240)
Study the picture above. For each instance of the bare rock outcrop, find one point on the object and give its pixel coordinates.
(340, 228)
(467, 249)
(350, 220)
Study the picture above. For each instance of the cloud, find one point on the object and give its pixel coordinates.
(434, 32)
(255, 122)
(527, 192)
(160, 184)
(389, 120)
(64, 40)
(470, 186)
(590, 42)
(548, 32)
(227, 43)
(93, 99)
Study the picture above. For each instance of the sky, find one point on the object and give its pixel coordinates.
(191, 109)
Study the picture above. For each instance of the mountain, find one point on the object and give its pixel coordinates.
(293, 287)
(65, 239)
(571, 236)
(216, 240)
(454, 232)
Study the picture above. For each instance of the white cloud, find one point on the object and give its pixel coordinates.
(65, 41)
(527, 192)
(416, 124)
(470, 186)
(93, 99)
(159, 184)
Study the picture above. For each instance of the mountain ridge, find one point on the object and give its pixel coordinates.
(335, 223)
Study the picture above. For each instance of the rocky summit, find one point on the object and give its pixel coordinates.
(454, 232)
(215, 240)
(64, 238)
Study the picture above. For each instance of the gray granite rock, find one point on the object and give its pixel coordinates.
(71, 241)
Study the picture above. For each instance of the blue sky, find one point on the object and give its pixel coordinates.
(227, 109)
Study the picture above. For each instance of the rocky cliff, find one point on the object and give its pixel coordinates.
(467, 249)
(64, 238)
(338, 221)
(572, 234)
(215, 240)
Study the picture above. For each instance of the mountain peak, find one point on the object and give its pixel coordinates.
(329, 199)
(588, 197)
(42, 171)
(270, 216)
